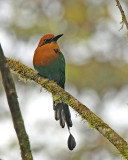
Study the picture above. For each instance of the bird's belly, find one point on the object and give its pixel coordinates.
(50, 71)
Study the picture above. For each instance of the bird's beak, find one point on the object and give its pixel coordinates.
(54, 39)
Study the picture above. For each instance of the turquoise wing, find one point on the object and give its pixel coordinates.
(61, 70)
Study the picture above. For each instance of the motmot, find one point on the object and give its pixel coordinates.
(49, 62)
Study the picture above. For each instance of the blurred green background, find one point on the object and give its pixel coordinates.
(96, 74)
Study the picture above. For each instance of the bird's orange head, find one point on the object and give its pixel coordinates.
(47, 50)
(48, 38)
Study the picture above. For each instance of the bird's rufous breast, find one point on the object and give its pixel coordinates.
(46, 54)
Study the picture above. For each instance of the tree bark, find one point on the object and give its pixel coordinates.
(14, 108)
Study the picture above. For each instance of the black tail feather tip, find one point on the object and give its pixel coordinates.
(71, 142)
(62, 113)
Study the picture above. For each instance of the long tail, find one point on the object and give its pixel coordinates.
(62, 113)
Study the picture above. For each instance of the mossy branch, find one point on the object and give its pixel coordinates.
(61, 95)
(14, 108)
(124, 20)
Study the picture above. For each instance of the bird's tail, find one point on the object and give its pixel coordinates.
(62, 113)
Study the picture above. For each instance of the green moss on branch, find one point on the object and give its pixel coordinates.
(61, 95)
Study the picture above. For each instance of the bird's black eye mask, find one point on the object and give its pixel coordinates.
(54, 39)
(46, 41)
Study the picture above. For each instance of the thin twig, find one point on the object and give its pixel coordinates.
(61, 95)
(124, 20)
(14, 108)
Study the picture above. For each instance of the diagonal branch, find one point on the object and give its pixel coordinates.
(124, 20)
(14, 108)
(61, 95)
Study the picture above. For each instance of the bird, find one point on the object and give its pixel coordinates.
(49, 62)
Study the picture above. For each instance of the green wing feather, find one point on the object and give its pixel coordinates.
(62, 70)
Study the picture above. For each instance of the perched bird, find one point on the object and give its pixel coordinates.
(49, 62)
